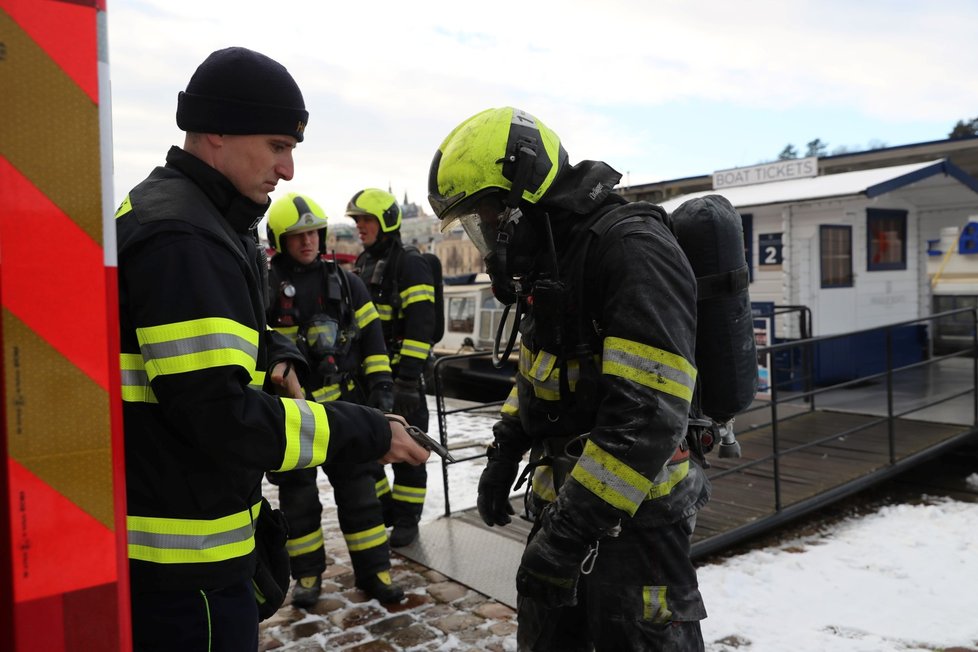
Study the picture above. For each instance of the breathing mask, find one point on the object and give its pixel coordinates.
(508, 243)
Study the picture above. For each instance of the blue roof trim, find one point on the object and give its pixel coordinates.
(941, 167)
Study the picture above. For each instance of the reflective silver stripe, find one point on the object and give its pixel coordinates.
(366, 314)
(417, 293)
(609, 482)
(135, 385)
(512, 405)
(198, 344)
(542, 365)
(415, 349)
(189, 541)
(366, 539)
(647, 365)
(327, 394)
(375, 364)
(307, 435)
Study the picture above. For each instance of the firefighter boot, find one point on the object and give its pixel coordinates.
(403, 534)
(380, 586)
(305, 593)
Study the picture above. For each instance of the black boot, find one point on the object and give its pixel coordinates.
(403, 534)
(380, 587)
(305, 593)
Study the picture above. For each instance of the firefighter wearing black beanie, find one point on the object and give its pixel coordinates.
(207, 556)
(240, 91)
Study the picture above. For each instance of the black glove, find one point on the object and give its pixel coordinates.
(272, 569)
(407, 396)
(496, 484)
(381, 397)
(551, 563)
(562, 538)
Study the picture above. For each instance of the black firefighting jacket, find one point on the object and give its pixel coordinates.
(199, 430)
(610, 359)
(326, 296)
(403, 291)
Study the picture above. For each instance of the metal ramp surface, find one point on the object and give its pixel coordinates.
(463, 548)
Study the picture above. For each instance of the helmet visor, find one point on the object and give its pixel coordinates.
(481, 232)
(480, 219)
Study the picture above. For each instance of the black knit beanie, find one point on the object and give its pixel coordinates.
(239, 91)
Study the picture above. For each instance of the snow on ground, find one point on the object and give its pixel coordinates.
(972, 480)
(901, 579)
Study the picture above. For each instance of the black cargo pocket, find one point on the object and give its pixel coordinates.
(652, 605)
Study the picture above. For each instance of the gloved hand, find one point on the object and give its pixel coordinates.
(381, 397)
(407, 396)
(496, 484)
(551, 563)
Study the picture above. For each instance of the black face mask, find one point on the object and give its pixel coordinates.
(510, 264)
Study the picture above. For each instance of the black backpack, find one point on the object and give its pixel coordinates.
(389, 283)
(434, 264)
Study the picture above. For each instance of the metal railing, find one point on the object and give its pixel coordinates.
(787, 401)
(443, 413)
(819, 393)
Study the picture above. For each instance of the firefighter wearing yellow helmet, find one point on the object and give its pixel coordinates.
(402, 286)
(328, 313)
(603, 391)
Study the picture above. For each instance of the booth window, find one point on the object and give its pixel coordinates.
(886, 239)
(836, 255)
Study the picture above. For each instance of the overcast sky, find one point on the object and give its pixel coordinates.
(659, 90)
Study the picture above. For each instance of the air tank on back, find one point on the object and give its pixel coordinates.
(710, 232)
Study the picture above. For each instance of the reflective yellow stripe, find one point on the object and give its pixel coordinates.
(407, 494)
(135, 382)
(543, 483)
(417, 293)
(512, 405)
(366, 314)
(291, 332)
(544, 375)
(610, 479)
(542, 366)
(375, 364)
(191, 541)
(655, 607)
(667, 478)
(366, 539)
(660, 370)
(415, 349)
(327, 393)
(306, 434)
(197, 344)
(382, 486)
(385, 311)
(307, 543)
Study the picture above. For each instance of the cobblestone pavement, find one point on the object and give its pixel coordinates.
(437, 613)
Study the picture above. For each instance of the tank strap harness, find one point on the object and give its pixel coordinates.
(702, 432)
(326, 337)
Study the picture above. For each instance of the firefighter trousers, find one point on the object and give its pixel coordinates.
(219, 620)
(641, 595)
(358, 510)
(404, 501)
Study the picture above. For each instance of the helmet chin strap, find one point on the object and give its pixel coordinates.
(505, 287)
